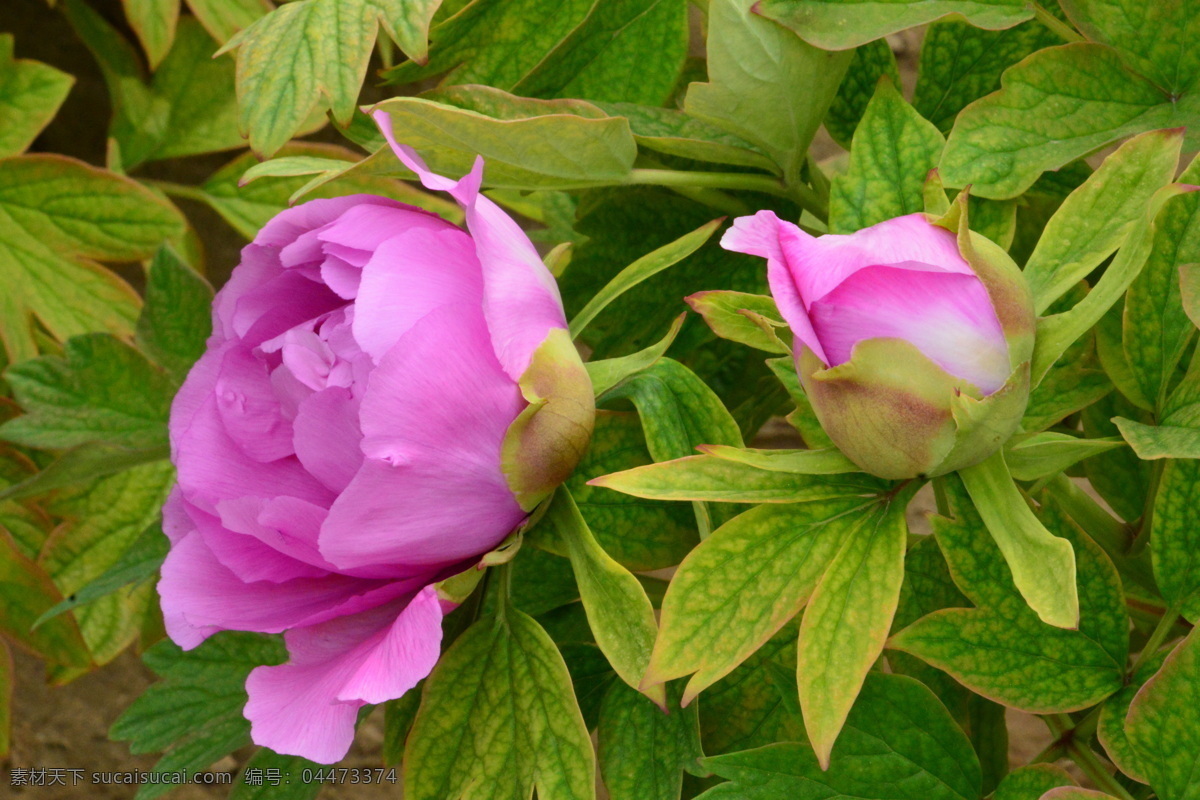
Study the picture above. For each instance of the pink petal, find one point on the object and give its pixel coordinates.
(433, 419)
(248, 557)
(249, 409)
(201, 596)
(949, 317)
(280, 304)
(327, 437)
(308, 706)
(408, 276)
(212, 467)
(760, 235)
(292, 223)
(521, 300)
(285, 524)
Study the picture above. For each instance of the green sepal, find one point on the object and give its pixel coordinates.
(887, 408)
(544, 443)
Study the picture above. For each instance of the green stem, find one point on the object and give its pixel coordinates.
(1070, 737)
(1161, 631)
(177, 189)
(1146, 523)
(1062, 29)
(716, 199)
(1090, 763)
(749, 182)
(939, 495)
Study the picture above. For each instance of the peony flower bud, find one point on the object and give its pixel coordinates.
(385, 397)
(913, 336)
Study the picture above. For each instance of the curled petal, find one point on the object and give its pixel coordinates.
(308, 706)
(520, 298)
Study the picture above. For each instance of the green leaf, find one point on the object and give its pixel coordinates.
(618, 610)
(27, 592)
(744, 582)
(154, 23)
(1031, 782)
(746, 708)
(645, 267)
(196, 709)
(498, 718)
(1176, 536)
(723, 311)
(1043, 455)
(103, 519)
(928, 587)
(961, 63)
(1111, 352)
(622, 226)
(56, 216)
(187, 107)
(677, 409)
(1156, 40)
(894, 149)
(755, 70)
(398, 716)
(527, 151)
(1000, 649)
(84, 463)
(838, 24)
(1110, 730)
(1043, 565)
(1159, 441)
(640, 534)
(1055, 333)
(31, 93)
(100, 389)
(312, 55)
(1073, 383)
(644, 749)
(1055, 106)
(1164, 724)
(608, 372)
(1100, 215)
(872, 61)
(271, 776)
(1120, 477)
(829, 461)
(137, 564)
(223, 18)
(899, 743)
(674, 133)
(631, 51)
(705, 478)
(1157, 330)
(495, 43)
(847, 620)
(177, 317)
(249, 206)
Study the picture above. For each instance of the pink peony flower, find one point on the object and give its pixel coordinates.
(894, 325)
(348, 440)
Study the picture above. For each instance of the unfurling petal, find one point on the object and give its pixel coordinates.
(520, 298)
(309, 705)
